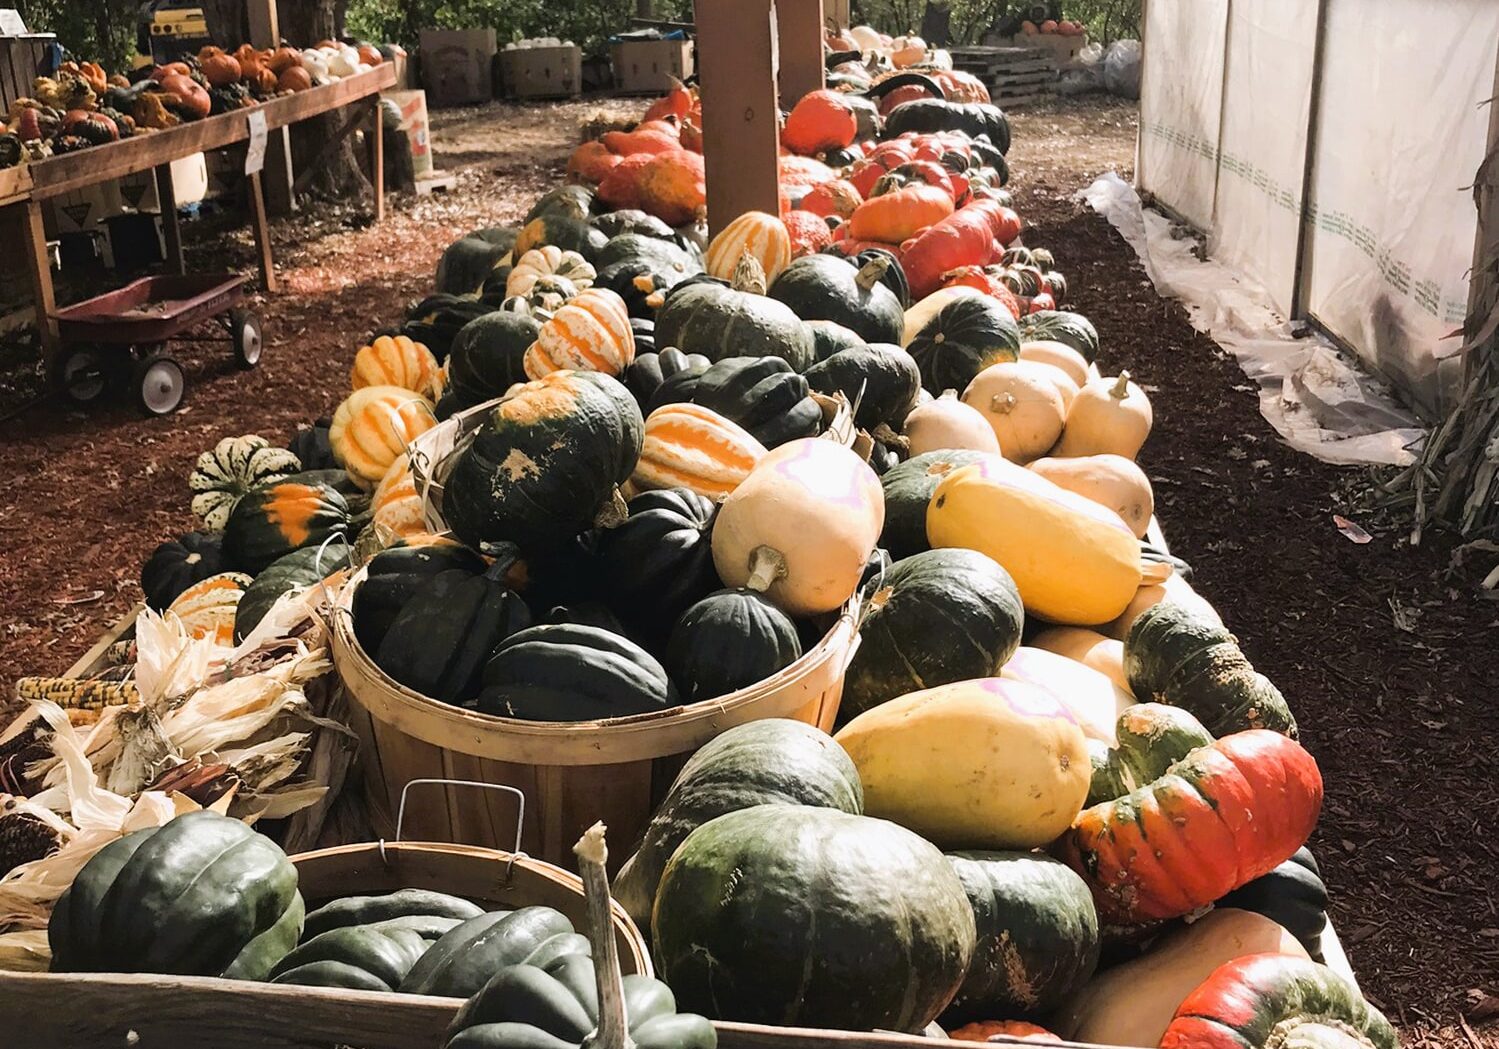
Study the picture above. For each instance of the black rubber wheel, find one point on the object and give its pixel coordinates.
(158, 383)
(81, 374)
(244, 333)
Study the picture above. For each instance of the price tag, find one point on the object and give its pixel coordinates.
(255, 154)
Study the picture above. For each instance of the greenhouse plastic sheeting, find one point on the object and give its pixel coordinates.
(1267, 101)
(1181, 103)
(1402, 131)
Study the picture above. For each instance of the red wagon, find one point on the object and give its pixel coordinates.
(130, 327)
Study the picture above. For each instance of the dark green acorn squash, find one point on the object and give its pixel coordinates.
(894, 276)
(705, 317)
(311, 446)
(1071, 329)
(487, 356)
(179, 563)
(811, 917)
(633, 221)
(820, 287)
(271, 521)
(926, 115)
(438, 642)
(300, 568)
(649, 371)
(641, 269)
(1293, 896)
(403, 903)
(659, 561)
(464, 959)
(938, 617)
(1151, 738)
(881, 379)
(394, 576)
(565, 232)
(436, 321)
(908, 490)
(469, 260)
(571, 201)
(659, 252)
(546, 463)
(644, 330)
(963, 338)
(203, 895)
(566, 672)
(1038, 935)
(373, 957)
(763, 395)
(587, 613)
(828, 338)
(774, 761)
(727, 641)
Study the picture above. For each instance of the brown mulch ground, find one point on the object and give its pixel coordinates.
(1376, 646)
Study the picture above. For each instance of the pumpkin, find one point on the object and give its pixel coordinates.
(272, 521)
(1272, 999)
(721, 321)
(900, 214)
(570, 672)
(546, 462)
(826, 878)
(836, 198)
(1022, 404)
(828, 338)
(230, 469)
(820, 120)
(987, 763)
(670, 185)
(1110, 416)
(947, 422)
(882, 380)
(1221, 817)
(658, 562)
(1094, 700)
(374, 425)
(934, 618)
(761, 394)
(984, 1030)
(463, 959)
(1174, 655)
(548, 261)
(591, 333)
(967, 333)
(1030, 526)
(689, 446)
(375, 956)
(729, 640)
(1109, 480)
(820, 287)
(177, 564)
(650, 372)
(187, 95)
(393, 577)
(908, 490)
(1088, 647)
(1070, 329)
(298, 569)
(397, 361)
(756, 233)
(221, 70)
(1293, 896)
(294, 78)
(771, 761)
(202, 895)
(397, 506)
(438, 642)
(927, 115)
(488, 355)
(1058, 355)
(1151, 738)
(1133, 1003)
(801, 526)
(1038, 937)
(809, 234)
(206, 609)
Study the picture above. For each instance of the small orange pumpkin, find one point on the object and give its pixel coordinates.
(160, 73)
(839, 197)
(282, 59)
(820, 121)
(189, 93)
(399, 362)
(221, 70)
(809, 233)
(983, 1030)
(370, 55)
(251, 61)
(94, 76)
(689, 446)
(590, 333)
(900, 214)
(264, 81)
(294, 78)
(757, 233)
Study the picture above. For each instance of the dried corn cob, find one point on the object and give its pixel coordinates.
(76, 694)
(23, 838)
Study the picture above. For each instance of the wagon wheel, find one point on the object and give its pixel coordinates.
(81, 374)
(158, 384)
(244, 333)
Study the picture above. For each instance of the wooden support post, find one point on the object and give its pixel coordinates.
(166, 193)
(262, 232)
(265, 28)
(39, 267)
(799, 31)
(837, 12)
(738, 62)
(377, 157)
(265, 31)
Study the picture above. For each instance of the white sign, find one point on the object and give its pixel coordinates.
(11, 23)
(255, 154)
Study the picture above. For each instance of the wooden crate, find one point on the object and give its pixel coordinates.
(20, 57)
(1014, 76)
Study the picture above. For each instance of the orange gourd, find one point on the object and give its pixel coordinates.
(221, 70)
(689, 446)
(900, 214)
(370, 55)
(838, 197)
(189, 94)
(294, 78)
(649, 137)
(809, 233)
(590, 333)
(671, 186)
(674, 105)
(94, 76)
(591, 162)
(820, 120)
(282, 59)
(251, 62)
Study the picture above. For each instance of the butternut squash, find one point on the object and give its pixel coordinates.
(1108, 416)
(1088, 647)
(1094, 700)
(1109, 480)
(1023, 402)
(947, 423)
(1058, 355)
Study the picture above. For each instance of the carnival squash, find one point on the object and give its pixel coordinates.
(206, 609)
(689, 446)
(374, 425)
(947, 422)
(1111, 481)
(590, 333)
(397, 361)
(758, 234)
(397, 506)
(1109, 416)
(230, 469)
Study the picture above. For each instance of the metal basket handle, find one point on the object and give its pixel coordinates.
(520, 811)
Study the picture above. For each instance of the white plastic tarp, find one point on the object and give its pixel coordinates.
(1271, 48)
(1181, 104)
(1402, 130)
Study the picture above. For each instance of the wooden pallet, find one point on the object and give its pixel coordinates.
(1015, 76)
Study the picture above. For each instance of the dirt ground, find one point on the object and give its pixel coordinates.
(1372, 644)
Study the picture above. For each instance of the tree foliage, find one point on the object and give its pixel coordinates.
(1107, 20)
(588, 23)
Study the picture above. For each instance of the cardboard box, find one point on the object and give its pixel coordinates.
(542, 72)
(1061, 48)
(457, 66)
(413, 107)
(646, 67)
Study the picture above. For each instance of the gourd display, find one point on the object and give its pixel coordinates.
(937, 617)
(590, 333)
(300, 568)
(824, 876)
(947, 422)
(374, 425)
(230, 469)
(270, 522)
(965, 335)
(774, 761)
(721, 321)
(821, 287)
(659, 561)
(371, 957)
(729, 640)
(882, 380)
(202, 895)
(207, 608)
(1022, 405)
(1151, 737)
(546, 462)
(470, 952)
(1174, 655)
(801, 526)
(762, 395)
(990, 763)
(1222, 816)
(908, 490)
(693, 447)
(397, 361)
(1293, 896)
(1110, 416)
(570, 672)
(179, 563)
(1037, 934)
(757, 234)
(1109, 480)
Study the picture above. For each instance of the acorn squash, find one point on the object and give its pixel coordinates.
(881, 379)
(488, 356)
(908, 489)
(763, 395)
(717, 321)
(177, 564)
(568, 672)
(469, 953)
(270, 522)
(394, 575)
(729, 640)
(965, 335)
(821, 287)
(828, 338)
(300, 568)
(372, 957)
(651, 373)
(403, 903)
(1293, 896)
(659, 562)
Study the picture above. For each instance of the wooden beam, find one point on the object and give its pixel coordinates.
(39, 269)
(262, 231)
(837, 12)
(1301, 277)
(1483, 288)
(738, 60)
(799, 34)
(166, 195)
(265, 27)
(377, 157)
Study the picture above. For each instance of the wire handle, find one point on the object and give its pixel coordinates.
(520, 811)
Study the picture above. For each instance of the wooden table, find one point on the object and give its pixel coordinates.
(155, 151)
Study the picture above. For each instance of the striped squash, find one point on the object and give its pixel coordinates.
(591, 333)
(373, 426)
(397, 361)
(689, 446)
(548, 261)
(230, 469)
(761, 234)
(207, 608)
(397, 505)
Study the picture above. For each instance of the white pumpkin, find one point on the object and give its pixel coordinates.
(548, 261)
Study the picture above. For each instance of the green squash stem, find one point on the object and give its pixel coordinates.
(613, 1031)
(766, 566)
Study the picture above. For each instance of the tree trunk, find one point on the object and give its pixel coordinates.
(304, 23)
(936, 23)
